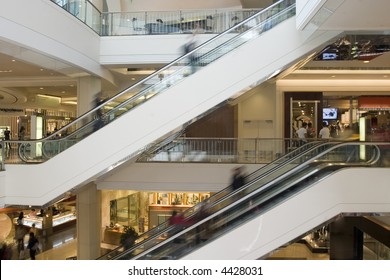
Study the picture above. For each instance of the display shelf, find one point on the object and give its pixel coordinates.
(60, 219)
(28, 221)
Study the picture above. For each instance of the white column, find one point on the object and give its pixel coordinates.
(87, 88)
(88, 222)
(279, 112)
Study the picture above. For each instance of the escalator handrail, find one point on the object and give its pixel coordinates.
(89, 114)
(296, 169)
(163, 228)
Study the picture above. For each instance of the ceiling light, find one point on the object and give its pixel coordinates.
(69, 102)
(133, 71)
(50, 97)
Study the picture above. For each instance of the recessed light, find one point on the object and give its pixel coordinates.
(333, 76)
(366, 61)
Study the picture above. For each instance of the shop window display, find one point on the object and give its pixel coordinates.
(124, 211)
(192, 198)
(146, 210)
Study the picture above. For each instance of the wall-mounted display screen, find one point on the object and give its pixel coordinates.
(329, 56)
(329, 113)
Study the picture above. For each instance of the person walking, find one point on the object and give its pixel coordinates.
(302, 134)
(99, 100)
(188, 47)
(22, 133)
(19, 235)
(32, 245)
(7, 137)
(238, 178)
(324, 133)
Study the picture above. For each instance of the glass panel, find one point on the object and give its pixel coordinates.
(304, 112)
(122, 213)
(210, 219)
(157, 83)
(374, 250)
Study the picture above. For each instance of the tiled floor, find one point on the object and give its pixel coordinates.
(59, 246)
(63, 245)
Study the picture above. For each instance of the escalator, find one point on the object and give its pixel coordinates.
(280, 203)
(137, 117)
(213, 200)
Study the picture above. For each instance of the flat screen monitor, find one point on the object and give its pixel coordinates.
(329, 56)
(329, 113)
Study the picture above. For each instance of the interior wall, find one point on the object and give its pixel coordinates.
(253, 117)
(220, 123)
(256, 114)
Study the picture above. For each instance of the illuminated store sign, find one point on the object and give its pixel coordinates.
(374, 103)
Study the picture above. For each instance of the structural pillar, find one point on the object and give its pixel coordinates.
(88, 204)
(47, 228)
(87, 89)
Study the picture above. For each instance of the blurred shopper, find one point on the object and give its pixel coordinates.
(99, 100)
(188, 47)
(6, 252)
(238, 178)
(7, 137)
(178, 222)
(176, 219)
(302, 134)
(22, 133)
(32, 245)
(310, 131)
(20, 232)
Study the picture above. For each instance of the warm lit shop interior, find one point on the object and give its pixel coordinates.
(38, 123)
(141, 210)
(365, 118)
(55, 218)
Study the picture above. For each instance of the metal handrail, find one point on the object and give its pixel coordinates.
(153, 22)
(244, 195)
(227, 193)
(173, 74)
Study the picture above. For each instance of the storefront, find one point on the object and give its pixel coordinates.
(348, 117)
(50, 220)
(142, 210)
